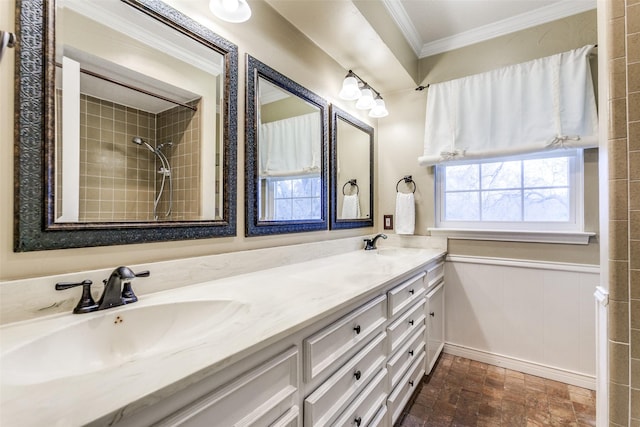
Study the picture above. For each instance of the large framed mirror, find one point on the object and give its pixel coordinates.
(127, 125)
(286, 154)
(351, 171)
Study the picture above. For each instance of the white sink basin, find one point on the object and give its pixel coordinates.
(109, 338)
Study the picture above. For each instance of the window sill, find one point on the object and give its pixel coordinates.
(566, 237)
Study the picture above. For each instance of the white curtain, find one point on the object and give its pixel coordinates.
(543, 104)
(291, 147)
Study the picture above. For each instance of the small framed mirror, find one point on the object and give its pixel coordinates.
(286, 154)
(127, 125)
(351, 171)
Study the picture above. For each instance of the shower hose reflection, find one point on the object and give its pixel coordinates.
(165, 171)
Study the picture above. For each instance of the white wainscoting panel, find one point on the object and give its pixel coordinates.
(532, 316)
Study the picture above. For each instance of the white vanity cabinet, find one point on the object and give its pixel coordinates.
(357, 366)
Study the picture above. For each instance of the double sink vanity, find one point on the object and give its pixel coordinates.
(339, 340)
(321, 338)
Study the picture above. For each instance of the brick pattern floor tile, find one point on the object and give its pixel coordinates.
(464, 393)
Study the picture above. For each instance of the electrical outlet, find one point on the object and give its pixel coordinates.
(388, 222)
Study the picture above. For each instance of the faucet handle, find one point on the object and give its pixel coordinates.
(86, 303)
(128, 296)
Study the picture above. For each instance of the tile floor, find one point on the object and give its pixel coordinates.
(463, 392)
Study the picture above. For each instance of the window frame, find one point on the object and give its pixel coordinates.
(483, 228)
(267, 188)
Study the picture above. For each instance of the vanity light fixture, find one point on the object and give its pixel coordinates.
(356, 89)
(231, 10)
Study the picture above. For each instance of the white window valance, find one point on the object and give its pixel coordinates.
(543, 104)
(291, 147)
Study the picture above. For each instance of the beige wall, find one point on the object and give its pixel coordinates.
(401, 138)
(274, 41)
(268, 38)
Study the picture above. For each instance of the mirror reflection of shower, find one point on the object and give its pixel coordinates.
(165, 171)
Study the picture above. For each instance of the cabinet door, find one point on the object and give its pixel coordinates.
(435, 325)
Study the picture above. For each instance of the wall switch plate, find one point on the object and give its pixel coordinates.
(388, 222)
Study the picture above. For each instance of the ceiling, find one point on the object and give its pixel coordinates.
(383, 40)
(435, 26)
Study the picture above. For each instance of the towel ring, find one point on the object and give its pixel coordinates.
(407, 179)
(353, 184)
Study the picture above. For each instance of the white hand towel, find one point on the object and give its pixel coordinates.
(350, 206)
(405, 213)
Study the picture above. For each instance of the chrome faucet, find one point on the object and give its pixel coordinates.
(370, 244)
(117, 291)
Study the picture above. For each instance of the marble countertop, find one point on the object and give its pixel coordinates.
(275, 303)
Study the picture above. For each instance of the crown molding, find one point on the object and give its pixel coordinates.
(523, 21)
(402, 20)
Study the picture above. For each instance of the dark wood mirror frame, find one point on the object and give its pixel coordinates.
(254, 226)
(337, 224)
(34, 226)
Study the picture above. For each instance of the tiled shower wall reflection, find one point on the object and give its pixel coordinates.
(181, 126)
(624, 212)
(119, 179)
(116, 175)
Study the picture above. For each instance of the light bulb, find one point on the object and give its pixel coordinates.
(230, 10)
(379, 110)
(350, 90)
(230, 5)
(366, 101)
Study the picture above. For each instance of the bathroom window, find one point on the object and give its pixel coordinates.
(292, 198)
(540, 192)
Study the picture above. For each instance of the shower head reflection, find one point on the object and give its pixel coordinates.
(140, 141)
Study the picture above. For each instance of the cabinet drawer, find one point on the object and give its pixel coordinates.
(258, 398)
(405, 325)
(406, 355)
(330, 399)
(401, 394)
(325, 347)
(380, 420)
(402, 296)
(435, 274)
(366, 406)
(290, 419)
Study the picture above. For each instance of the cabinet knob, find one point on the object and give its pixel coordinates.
(411, 322)
(357, 374)
(432, 314)
(357, 421)
(411, 383)
(357, 329)
(411, 291)
(410, 352)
